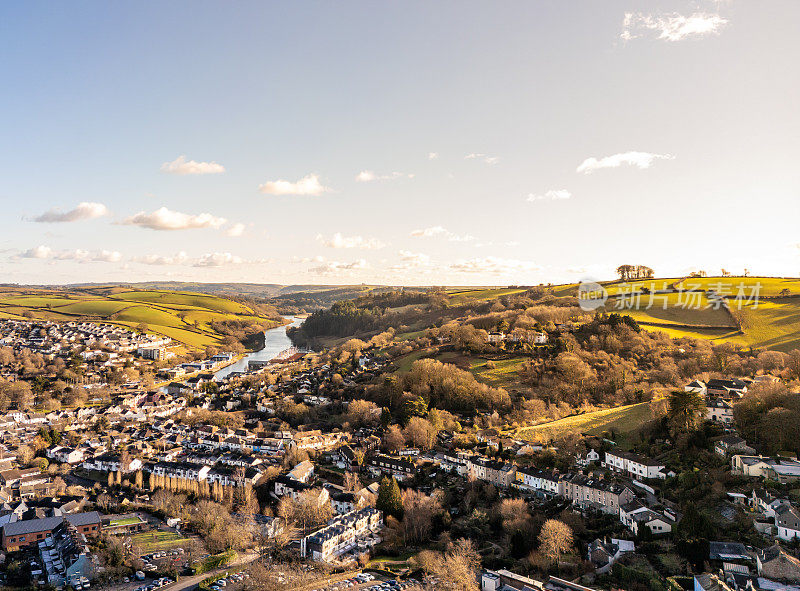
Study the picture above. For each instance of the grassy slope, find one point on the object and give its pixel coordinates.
(185, 317)
(771, 324)
(621, 419)
(505, 373)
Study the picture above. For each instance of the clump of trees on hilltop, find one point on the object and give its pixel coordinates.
(628, 272)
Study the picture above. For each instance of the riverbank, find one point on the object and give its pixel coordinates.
(275, 341)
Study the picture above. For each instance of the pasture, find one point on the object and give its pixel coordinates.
(622, 420)
(183, 316)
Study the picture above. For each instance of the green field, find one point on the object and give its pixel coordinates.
(404, 363)
(504, 373)
(621, 419)
(460, 296)
(158, 540)
(183, 316)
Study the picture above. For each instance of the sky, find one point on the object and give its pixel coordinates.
(413, 143)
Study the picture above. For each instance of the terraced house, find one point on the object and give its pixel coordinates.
(540, 481)
(593, 493)
(635, 465)
(500, 474)
(400, 468)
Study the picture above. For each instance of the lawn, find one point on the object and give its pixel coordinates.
(622, 419)
(158, 540)
(127, 521)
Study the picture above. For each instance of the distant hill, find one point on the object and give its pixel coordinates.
(290, 298)
(194, 319)
(704, 308)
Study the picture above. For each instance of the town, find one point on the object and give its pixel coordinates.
(399, 296)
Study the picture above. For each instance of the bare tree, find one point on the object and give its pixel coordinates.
(457, 569)
(419, 510)
(555, 539)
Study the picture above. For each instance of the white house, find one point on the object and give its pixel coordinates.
(787, 519)
(634, 465)
(719, 411)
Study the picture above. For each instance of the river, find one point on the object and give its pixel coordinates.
(275, 341)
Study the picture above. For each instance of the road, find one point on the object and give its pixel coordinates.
(192, 582)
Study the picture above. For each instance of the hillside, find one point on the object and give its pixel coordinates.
(290, 299)
(193, 319)
(771, 322)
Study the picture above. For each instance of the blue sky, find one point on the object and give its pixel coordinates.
(416, 143)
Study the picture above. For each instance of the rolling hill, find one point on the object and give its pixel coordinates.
(186, 317)
(719, 309)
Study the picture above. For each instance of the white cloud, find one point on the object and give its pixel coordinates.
(414, 257)
(484, 157)
(165, 219)
(160, 260)
(440, 232)
(107, 256)
(366, 176)
(551, 195)
(337, 267)
(315, 259)
(235, 230)
(85, 210)
(39, 252)
(182, 166)
(638, 159)
(410, 260)
(493, 265)
(339, 241)
(45, 252)
(218, 259)
(433, 155)
(308, 185)
(671, 27)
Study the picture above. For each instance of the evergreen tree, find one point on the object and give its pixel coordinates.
(386, 417)
(413, 407)
(390, 501)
